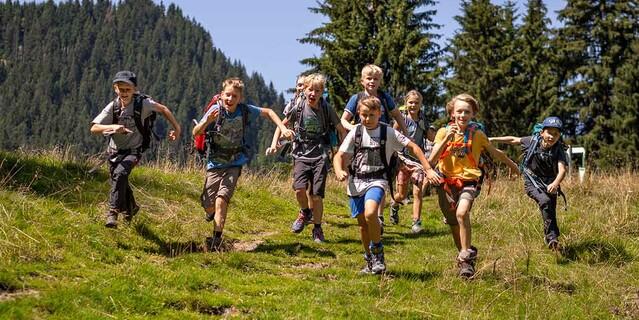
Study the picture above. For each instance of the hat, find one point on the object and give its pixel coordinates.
(552, 122)
(126, 76)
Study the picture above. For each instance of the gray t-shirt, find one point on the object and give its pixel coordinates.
(121, 141)
(395, 141)
(312, 144)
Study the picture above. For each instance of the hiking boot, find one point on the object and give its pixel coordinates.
(213, 243)
(111, 219)
(553, 244)
(466, 269)
(129, 216)
(466, 262)
(394, 214)
(209, 216)
(368, 267)
(377, 260)
(318, 235)
(417, 226)
(302, 220)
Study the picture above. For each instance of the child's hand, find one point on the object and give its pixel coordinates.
(271, 151)
(174, 134)
(553, 188)
(432, 177)
(451, 131)
(341, 175)
(288, 134)
(212, 116)
(117, 128)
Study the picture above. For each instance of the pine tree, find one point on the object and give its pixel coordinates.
(483, 62)
(595, 43)
(393, 34)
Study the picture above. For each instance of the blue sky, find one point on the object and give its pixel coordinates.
(263, 34)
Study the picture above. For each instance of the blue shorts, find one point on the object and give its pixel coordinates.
(357, 203)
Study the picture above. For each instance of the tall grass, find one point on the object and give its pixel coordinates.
(58, 261)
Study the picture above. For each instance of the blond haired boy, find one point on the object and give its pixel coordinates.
(226, 126)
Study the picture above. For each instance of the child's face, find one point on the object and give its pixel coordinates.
(313, 94)
(299, 86)
(413, 106)
(231, 96)
(550, 136)
(124, 91)
(371, 82)
(369, 117)
(462, 114)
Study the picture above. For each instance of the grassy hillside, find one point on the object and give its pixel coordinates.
(58, 261)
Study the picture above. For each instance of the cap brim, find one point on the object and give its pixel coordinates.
(124, 80)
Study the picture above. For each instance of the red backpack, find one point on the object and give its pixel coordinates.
(200, 140)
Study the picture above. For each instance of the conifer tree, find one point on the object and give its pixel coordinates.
(394, 34)
(595, 44)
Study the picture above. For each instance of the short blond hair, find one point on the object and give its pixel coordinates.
(234, 82)
(413, 93)
(371, 69)
(371, 102)
(465, 97)
(314, 79)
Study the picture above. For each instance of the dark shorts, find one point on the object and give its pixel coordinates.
(311, 175)
(219, 183)
(448, 199)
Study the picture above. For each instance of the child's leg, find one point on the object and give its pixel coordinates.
(417, 202)
(449, 212)
(221, 206)
(302, 199)
(318, 209)
(226, 181)
(463, 220)
(548, 208)
(363, 231)
(120, 171)
(373, 200)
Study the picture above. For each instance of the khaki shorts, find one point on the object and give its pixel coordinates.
(448, 201)
(219, 183)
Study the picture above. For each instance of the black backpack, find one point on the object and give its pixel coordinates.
(144, 127)
(328, 127)
(391, 168)
(214, 129)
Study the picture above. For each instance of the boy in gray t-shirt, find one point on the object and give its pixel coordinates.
(125, 121)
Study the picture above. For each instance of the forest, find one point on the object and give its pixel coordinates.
(57, 60)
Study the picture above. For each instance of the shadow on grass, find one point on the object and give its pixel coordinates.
(426, 233)
(595, 252)
(167, 248)
(293, 249)
(412, 276)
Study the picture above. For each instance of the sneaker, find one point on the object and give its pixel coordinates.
(302, 220)
(209, 216)
(368, 267)
(318, 235)
(111, 219)
(213, 243)
(377, 261)
(129, 216)
(394, 214)
(417, 226)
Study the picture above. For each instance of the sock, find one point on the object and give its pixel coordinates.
(307, 211)
(317, 225)
(217, 234)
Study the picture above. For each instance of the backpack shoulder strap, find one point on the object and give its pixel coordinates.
(138, 101)
(383, 99)
(117, 109)
(382, 144)
(299, 113)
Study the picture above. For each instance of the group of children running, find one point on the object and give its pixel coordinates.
(449, 161)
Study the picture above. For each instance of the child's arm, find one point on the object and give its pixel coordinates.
(505, 139)
(341, 132)
(554, 186)
(399, 120)
(431, 176)
(346, 120)
(168, 115)
(274, 142)
(502, 157)
(201, 126)
(97, 128)
(439, 147)
(338, 165)
(268, 113)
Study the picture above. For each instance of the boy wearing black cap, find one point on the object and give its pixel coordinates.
(543, 169)
(125, 121)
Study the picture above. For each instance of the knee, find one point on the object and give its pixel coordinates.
(300, 192)
(462, 216)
